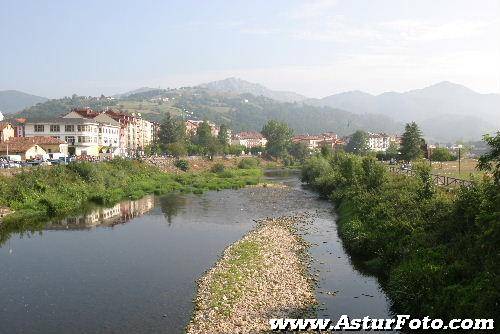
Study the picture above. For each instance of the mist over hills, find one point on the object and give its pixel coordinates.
(446, 112)
(12, 101)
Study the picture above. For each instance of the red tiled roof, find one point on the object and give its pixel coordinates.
(16, 147)
(85, 112)
(249, 135)
(39, 140)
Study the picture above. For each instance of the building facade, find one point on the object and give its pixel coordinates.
(249, 139)
(6, 131)
(81, 134)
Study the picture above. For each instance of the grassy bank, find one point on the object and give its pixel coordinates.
(260, 277)
(438, 252)
(41, 193)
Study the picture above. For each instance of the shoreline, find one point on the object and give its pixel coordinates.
(264, 275)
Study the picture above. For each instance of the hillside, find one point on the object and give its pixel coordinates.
(239, 112)
(238, 86)
(446, 111)
(12, 101)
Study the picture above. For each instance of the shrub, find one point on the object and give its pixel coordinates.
(218, 168)
(182, 165)
(249, 163)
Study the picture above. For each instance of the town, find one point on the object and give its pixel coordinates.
(85, 134)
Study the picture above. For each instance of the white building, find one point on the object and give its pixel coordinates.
(108, 139)
(379, 142)
(249, 139)
(82, 135)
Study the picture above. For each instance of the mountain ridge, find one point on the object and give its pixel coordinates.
(12, 101)
(238, 86)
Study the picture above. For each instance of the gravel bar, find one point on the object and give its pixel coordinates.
(263, 275)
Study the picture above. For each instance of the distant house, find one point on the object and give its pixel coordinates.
(313, 142)
(249, 139)
(47, 144)
(18, 125)
(25, 150)
(6, 131)
(192, 127)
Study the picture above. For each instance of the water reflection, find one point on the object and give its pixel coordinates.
(170, 205)
(100, 216)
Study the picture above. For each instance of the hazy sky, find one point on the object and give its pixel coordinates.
(316, 48)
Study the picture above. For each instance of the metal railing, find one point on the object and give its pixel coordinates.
(440, 180)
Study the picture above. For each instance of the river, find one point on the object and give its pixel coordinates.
(132, 268)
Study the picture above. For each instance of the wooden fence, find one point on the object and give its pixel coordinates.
(440, 180)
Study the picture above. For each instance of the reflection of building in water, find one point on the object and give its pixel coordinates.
(118, 214)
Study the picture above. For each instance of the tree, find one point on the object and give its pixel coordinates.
(441, 154)
(177, 149)
(299, 151)
(392, 151)
(491, 161)
(411, 144)
(204, 134)
(223, 135)
(279, 138)
(358, 144)
(172, 130)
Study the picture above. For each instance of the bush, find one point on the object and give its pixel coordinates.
(249, 163)
(182, 165)
(218, 168)
(438, 251)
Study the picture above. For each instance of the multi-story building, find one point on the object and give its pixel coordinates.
(249, 139)
(108, 130)
(81, 134)
(379, 142)
(135, 132)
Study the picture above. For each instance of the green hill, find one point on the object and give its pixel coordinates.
(239, 112)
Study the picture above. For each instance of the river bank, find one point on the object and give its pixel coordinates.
(42, 193)
(437, 252)
(262, 276)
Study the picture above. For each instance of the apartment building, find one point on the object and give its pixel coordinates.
(81, 134)
(108, 138)
(135, 133)
(379, 142)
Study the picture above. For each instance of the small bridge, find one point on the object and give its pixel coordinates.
(440, 180)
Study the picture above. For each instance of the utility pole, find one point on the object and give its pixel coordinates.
(459, 147)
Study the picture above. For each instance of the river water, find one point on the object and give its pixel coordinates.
(132, 268)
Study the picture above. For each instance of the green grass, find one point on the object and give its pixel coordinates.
(42, 193)
(226, 288)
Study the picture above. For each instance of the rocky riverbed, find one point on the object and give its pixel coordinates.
(264, 275)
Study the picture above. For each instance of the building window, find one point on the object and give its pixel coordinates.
(69, 128)
(81, 128)
(55, 128)
(70, 140)
(39, 128)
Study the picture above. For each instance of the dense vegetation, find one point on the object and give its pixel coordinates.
(438, 251)
(41, 193)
